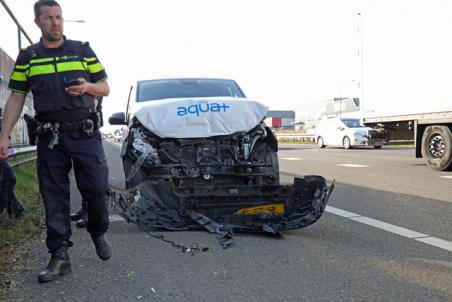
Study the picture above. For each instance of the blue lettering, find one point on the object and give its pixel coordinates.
(207, 107)
(202, 108)
(181, 111)
(225, 107)
(194, 109)
(214, 107)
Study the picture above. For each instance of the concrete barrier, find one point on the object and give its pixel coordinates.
(286, 137)
(18, 156)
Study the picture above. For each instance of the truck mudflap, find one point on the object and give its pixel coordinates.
(222, 209)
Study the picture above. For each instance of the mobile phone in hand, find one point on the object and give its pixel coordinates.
(72, 82)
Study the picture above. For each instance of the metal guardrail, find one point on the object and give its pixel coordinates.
(20, 155)
(20, 29)
(295, 137)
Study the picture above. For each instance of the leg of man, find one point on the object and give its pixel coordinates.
(83, 221)
(3, 185)
(53, 167)
(3, 191)
(91, 174)
(8, 182)
(80, 213)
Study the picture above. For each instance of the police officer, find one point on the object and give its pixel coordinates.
(8, 199)
(64, 76)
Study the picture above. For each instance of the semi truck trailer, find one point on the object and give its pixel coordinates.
(431, 133)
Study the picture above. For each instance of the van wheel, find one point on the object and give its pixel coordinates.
(377, 147)
(320, 142)
(346, 143)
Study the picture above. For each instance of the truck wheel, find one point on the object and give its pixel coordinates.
(346, 143)
(320, 142)
(437, 147)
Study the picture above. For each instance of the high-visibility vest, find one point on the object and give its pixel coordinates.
(45, 71)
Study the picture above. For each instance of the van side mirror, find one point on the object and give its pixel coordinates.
(340, 128)
(118, 118)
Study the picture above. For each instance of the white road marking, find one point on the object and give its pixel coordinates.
(446, 176)
(446, 245)
(427, 239)
(389, 227)
(352, 165)
(292, 158)
(116, 217)
(340, 212)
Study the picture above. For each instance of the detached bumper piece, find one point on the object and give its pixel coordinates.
(222, 209)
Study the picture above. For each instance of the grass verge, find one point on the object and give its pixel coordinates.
(27, 191)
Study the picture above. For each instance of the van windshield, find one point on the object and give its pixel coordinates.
(352, 123)
(186, 88)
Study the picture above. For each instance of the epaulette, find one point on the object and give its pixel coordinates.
(85, 43)
(24, 49)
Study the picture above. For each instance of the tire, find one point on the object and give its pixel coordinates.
(377, 147)
(437, 147)
(346, 143)
(138, 178)
(275, 167)
(320, 142)
(270, 157)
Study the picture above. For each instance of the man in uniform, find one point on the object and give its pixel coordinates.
(64, 77)
(8, 199)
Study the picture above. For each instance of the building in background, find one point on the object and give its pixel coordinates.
(308, 115)
(280, 119)
(342, 107)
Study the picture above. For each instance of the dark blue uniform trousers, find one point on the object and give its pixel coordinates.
(86, 155)
(8, 199)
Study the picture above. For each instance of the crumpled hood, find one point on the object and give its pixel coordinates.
(200, 117)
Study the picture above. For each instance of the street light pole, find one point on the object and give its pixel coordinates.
(75, 21)
(361, 54)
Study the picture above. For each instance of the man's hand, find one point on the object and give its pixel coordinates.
(3, 147)
(95, 89)
(77, 90)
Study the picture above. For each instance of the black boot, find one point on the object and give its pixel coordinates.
(83, 222)
(78, 215)
(59, 264)
(103, 247)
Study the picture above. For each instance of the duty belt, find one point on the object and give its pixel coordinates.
(37, 127)
(85, 126)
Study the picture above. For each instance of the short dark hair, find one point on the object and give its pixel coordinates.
(42, 3)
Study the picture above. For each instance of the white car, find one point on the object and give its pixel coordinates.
(347, 133)
(197, 153)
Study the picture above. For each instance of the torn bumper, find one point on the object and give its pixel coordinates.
(244, 208)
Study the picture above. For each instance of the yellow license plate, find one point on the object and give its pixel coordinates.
(272, 209)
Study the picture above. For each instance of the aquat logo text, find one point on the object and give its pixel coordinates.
(200, 108)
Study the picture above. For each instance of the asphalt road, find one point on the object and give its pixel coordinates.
(336, 259)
